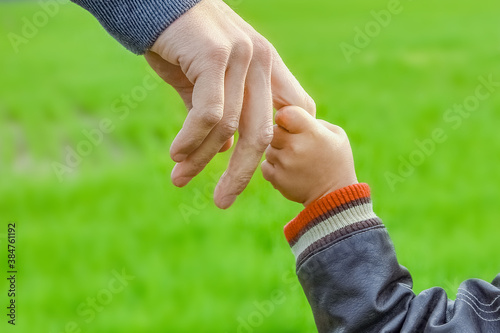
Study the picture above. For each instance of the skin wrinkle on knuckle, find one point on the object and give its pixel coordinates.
(263, 53)
(258, 142)
(227, 128)
(218, 52)
(243, 50)
(213, 58)
(213, 115)
(264, 138)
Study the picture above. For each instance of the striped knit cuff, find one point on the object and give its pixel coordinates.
(330, 219)
(136, 24)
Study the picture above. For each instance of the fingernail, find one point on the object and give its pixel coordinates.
(179, 157)
(227, 201)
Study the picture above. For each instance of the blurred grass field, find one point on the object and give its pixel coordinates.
(200, 269)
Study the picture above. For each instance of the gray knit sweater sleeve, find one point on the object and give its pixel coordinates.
(136, 24)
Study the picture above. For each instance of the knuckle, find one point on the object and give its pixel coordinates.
(296, 151)
(219, 53)
(263, 51)
(264, 138)
(243, 49)
(228, 128)
(212, 117)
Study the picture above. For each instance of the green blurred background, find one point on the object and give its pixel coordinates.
(200, 269)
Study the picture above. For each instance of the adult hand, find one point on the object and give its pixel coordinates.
(229, 77)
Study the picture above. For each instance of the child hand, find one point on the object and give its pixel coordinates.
(307, 158)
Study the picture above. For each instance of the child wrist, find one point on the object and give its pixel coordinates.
(329, 217)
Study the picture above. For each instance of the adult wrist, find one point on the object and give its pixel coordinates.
(136, 24)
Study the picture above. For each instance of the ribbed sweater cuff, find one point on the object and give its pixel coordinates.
(136, 24)
(330, 219)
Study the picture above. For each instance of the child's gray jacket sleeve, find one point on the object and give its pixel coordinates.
(348, 269)
(136, 24)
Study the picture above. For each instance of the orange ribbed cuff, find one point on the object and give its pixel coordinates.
(323, 205)
(329, 219)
